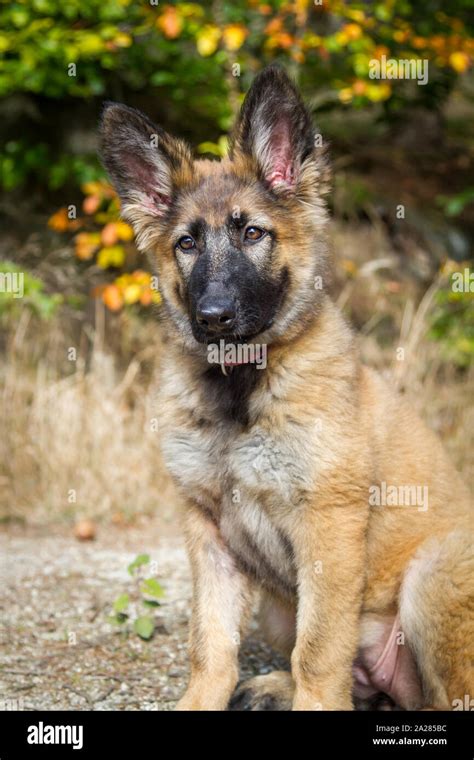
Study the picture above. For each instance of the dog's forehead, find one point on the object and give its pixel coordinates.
(218, 192)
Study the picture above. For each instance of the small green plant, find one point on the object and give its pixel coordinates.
(146, 592)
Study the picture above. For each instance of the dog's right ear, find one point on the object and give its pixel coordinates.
(145, 164)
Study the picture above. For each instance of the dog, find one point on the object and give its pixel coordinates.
(297, 474)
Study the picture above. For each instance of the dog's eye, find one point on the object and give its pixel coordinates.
(186, 243)
(253, 233)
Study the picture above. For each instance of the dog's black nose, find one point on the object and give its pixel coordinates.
(216, 314)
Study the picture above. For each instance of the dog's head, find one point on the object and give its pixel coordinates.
(239, 245)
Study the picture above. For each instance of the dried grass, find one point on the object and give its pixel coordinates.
(81, 445)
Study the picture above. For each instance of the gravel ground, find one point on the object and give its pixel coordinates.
(58, 651)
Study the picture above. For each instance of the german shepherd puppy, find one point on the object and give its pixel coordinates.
(307, 478)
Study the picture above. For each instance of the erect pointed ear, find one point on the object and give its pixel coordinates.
(274, 127)
(145, 165)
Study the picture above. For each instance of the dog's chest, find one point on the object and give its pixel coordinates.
(246, 480)
(235, 465)
(260, 547)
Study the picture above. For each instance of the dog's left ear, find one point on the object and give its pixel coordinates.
(274, 127)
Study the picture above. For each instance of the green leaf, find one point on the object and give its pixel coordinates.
(118, 619)
(141, 559)
(144, 627)
(121, 603)
(152, 587)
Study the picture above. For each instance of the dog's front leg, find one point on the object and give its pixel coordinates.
(222, 601)
(329, 550)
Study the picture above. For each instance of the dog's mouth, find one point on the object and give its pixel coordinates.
(230, 338)
(234, 338)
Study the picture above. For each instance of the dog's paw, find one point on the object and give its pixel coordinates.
(264, 693)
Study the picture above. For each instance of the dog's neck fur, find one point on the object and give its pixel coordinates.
(324, 349)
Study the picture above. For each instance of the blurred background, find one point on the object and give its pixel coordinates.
(80, 350)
